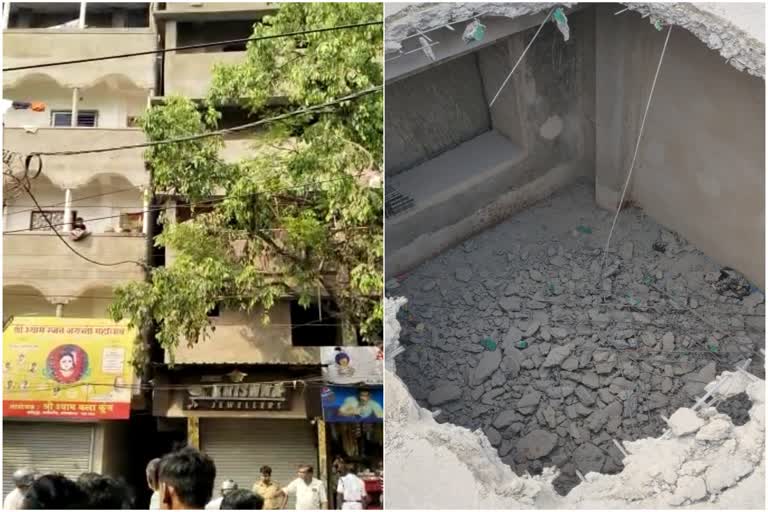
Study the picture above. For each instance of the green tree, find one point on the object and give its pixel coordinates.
(302, 215)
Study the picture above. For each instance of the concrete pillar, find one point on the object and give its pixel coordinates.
(145, 217)
(59, 310)
(6, 14)
(68, 210)
(81, 21)
(322, 451)
(75, 106)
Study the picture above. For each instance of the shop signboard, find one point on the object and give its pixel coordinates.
(348, 404)
(238, 397)
(353, 365)
(67, 368)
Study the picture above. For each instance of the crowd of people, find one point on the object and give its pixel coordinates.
(181, 480)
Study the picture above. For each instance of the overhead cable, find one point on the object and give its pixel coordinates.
(194, 46)
(223, 131)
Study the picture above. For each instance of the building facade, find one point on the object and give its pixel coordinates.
(65, 108)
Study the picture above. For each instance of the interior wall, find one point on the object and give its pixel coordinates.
(547, 106)
(701, 165)
(431, 112)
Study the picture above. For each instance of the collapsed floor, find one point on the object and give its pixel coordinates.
(513, 333)
(703, 462)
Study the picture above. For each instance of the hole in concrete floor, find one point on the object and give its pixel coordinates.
(513, 333)
(737, 407)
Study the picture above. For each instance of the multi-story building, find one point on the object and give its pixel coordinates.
(95, 104)
(65, 108)
(273, 426)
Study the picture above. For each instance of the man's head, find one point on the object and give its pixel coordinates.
(227, 486)
(186, 479)
(305, 473)
(152, 473)
(23, 478)
(266, 474)
(104, 492)
(364, 395)
(242, 499)
(55, 492)
(349, 469)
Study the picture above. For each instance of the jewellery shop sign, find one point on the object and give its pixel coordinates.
(238, 397)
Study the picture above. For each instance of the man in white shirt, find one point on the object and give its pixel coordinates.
(22, 479)
(310, 492)
(351, 491)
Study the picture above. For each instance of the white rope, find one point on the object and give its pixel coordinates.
(634, 157)
(521, 58)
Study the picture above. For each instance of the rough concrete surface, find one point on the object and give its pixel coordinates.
(545, 351)
(444, 466)
(735, 31)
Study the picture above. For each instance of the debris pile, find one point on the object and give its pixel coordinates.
(703, 461)
(517, 333)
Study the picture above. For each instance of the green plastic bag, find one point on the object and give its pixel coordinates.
(489, 344)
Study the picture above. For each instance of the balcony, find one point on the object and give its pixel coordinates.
(41, 261)
(190, 74)
(75, 171)
(23, 47)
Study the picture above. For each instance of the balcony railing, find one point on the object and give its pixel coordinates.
(77, 170)
(24, 47)
(40, 260)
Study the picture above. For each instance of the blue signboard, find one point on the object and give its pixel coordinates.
(353, 404)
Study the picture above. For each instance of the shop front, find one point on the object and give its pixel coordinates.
(63, 378)
(352, 414)
(245, 419)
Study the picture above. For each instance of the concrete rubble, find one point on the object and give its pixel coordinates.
(710, 463)
(553, 360)
(735, 31)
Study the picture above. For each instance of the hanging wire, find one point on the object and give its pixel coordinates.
(195, 46)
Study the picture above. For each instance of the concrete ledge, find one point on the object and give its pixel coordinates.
(428, 245)
(453, 184)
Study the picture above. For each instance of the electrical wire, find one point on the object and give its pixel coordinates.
(634, 156)
(195, 203)
(102, 194)
(223, 131)
(56, 232)
(195, 46)
(519, 60)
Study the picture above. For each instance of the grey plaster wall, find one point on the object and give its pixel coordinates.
(546, 110)
(433, 111)
(701, 165)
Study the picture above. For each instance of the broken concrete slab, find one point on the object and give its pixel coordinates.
(684, 422)
(537, 444)
(444, 393)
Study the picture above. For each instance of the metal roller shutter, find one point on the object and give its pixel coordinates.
(239, 447)
(48, 447)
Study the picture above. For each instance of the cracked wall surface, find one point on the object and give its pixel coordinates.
(703, 462)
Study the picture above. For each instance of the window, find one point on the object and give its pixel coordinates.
(38, 222)
(215, 311)
(190, 33)
(87, 118)
(309, 330)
